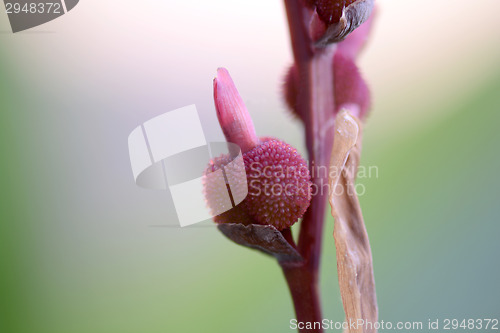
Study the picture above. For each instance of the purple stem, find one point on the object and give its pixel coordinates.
(315, 102)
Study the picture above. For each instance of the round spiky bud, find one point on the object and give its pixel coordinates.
(279, 184)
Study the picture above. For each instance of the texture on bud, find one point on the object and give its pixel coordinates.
(279, 184)
(216, 188)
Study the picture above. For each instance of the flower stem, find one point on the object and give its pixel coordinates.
(303, 285)
(315, 102)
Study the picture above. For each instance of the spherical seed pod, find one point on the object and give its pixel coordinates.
(279, 184)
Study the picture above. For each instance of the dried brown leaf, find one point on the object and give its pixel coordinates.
(353, 16)
(354, 258)
(265, 238)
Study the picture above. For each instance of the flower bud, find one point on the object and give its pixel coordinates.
(279, 184)
(278, 180)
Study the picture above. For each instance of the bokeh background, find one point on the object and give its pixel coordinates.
(82, 249)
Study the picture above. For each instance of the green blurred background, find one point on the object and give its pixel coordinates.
(82, 249)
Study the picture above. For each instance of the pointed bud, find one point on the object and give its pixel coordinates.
(233, 115)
